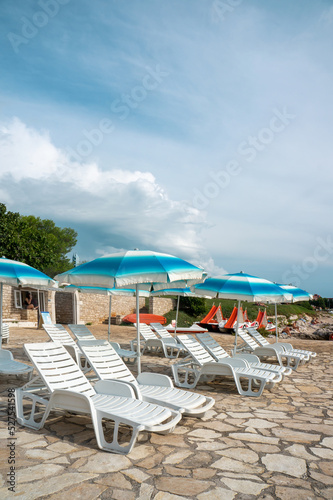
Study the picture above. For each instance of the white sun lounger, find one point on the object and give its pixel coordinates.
(4, 333)
(67, 388)
(152, 387)
(155, 345)
(200, 363)
(58, 333)
(287, 347)
(82, 332)
(8, 366)
(276, 351)
(166, 336)
(218, 353)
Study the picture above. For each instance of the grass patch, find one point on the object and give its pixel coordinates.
(300, 308)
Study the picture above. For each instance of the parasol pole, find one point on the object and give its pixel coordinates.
(109, 322)
(175, 332)
(276, 327)
(138, 326)
(237, 323)
(1, 293)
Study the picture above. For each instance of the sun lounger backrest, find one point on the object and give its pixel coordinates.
(195, 349)
(146, 332)
(105, 361)
(57, 367)
(258, 337)
(4, 332)
(81, 332)
(249, 341)
(212, 346)
(58, 333)
(161, 331)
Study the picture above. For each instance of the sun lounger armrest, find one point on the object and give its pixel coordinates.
(114, 388)
(250, 358)
(287, 346)
(70, 400)
(147, 378)
(6, 355)
(115, 345)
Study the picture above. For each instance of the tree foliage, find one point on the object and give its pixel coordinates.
(36, 242)
(194, 306)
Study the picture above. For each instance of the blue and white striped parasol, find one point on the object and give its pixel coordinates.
(17, 273)
(243, 287)
(133, 267)
(298, 294)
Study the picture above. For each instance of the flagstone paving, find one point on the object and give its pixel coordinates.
(278, 446)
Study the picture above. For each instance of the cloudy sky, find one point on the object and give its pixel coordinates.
(201, 128)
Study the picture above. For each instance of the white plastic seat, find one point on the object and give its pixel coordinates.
(109, 401)
(285, 345)
(58, 333)
(163, 334)
(155, 345)
(5, 333)
(276, 351)
(201, 364)
(82, 332)
(8, 366)
(218, 353)
(152, 387)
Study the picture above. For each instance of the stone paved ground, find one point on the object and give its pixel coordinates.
(278, 446)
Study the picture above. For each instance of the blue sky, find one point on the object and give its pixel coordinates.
(198, 128)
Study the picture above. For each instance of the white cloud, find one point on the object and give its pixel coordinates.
(117, 204)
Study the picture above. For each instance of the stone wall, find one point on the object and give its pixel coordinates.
(94, 308)
(161, 305)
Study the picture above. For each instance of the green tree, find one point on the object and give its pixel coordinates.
(194, 306)
(39, 243)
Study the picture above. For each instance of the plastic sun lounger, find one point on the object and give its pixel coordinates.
(58, 333)
(8, 366)
(195, 328)
(151, 387)
(188, 371)
(4, 333)
(82, 332)
(154, 345)
(272, 350)
(67, 388)
(218, 353)
(163, 334)
(287, 347)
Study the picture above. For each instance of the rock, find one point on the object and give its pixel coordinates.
(287, 465)
(323, 333)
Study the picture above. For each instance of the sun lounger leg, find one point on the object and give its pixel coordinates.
(185, 375)
(252, 383)
(25, 397)
(114, 446)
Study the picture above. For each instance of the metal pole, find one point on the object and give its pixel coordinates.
(38, 309)
(276, 327)
(237, 323)
(177, 315)
(138, 326)
(109, 322)
(1, 296)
